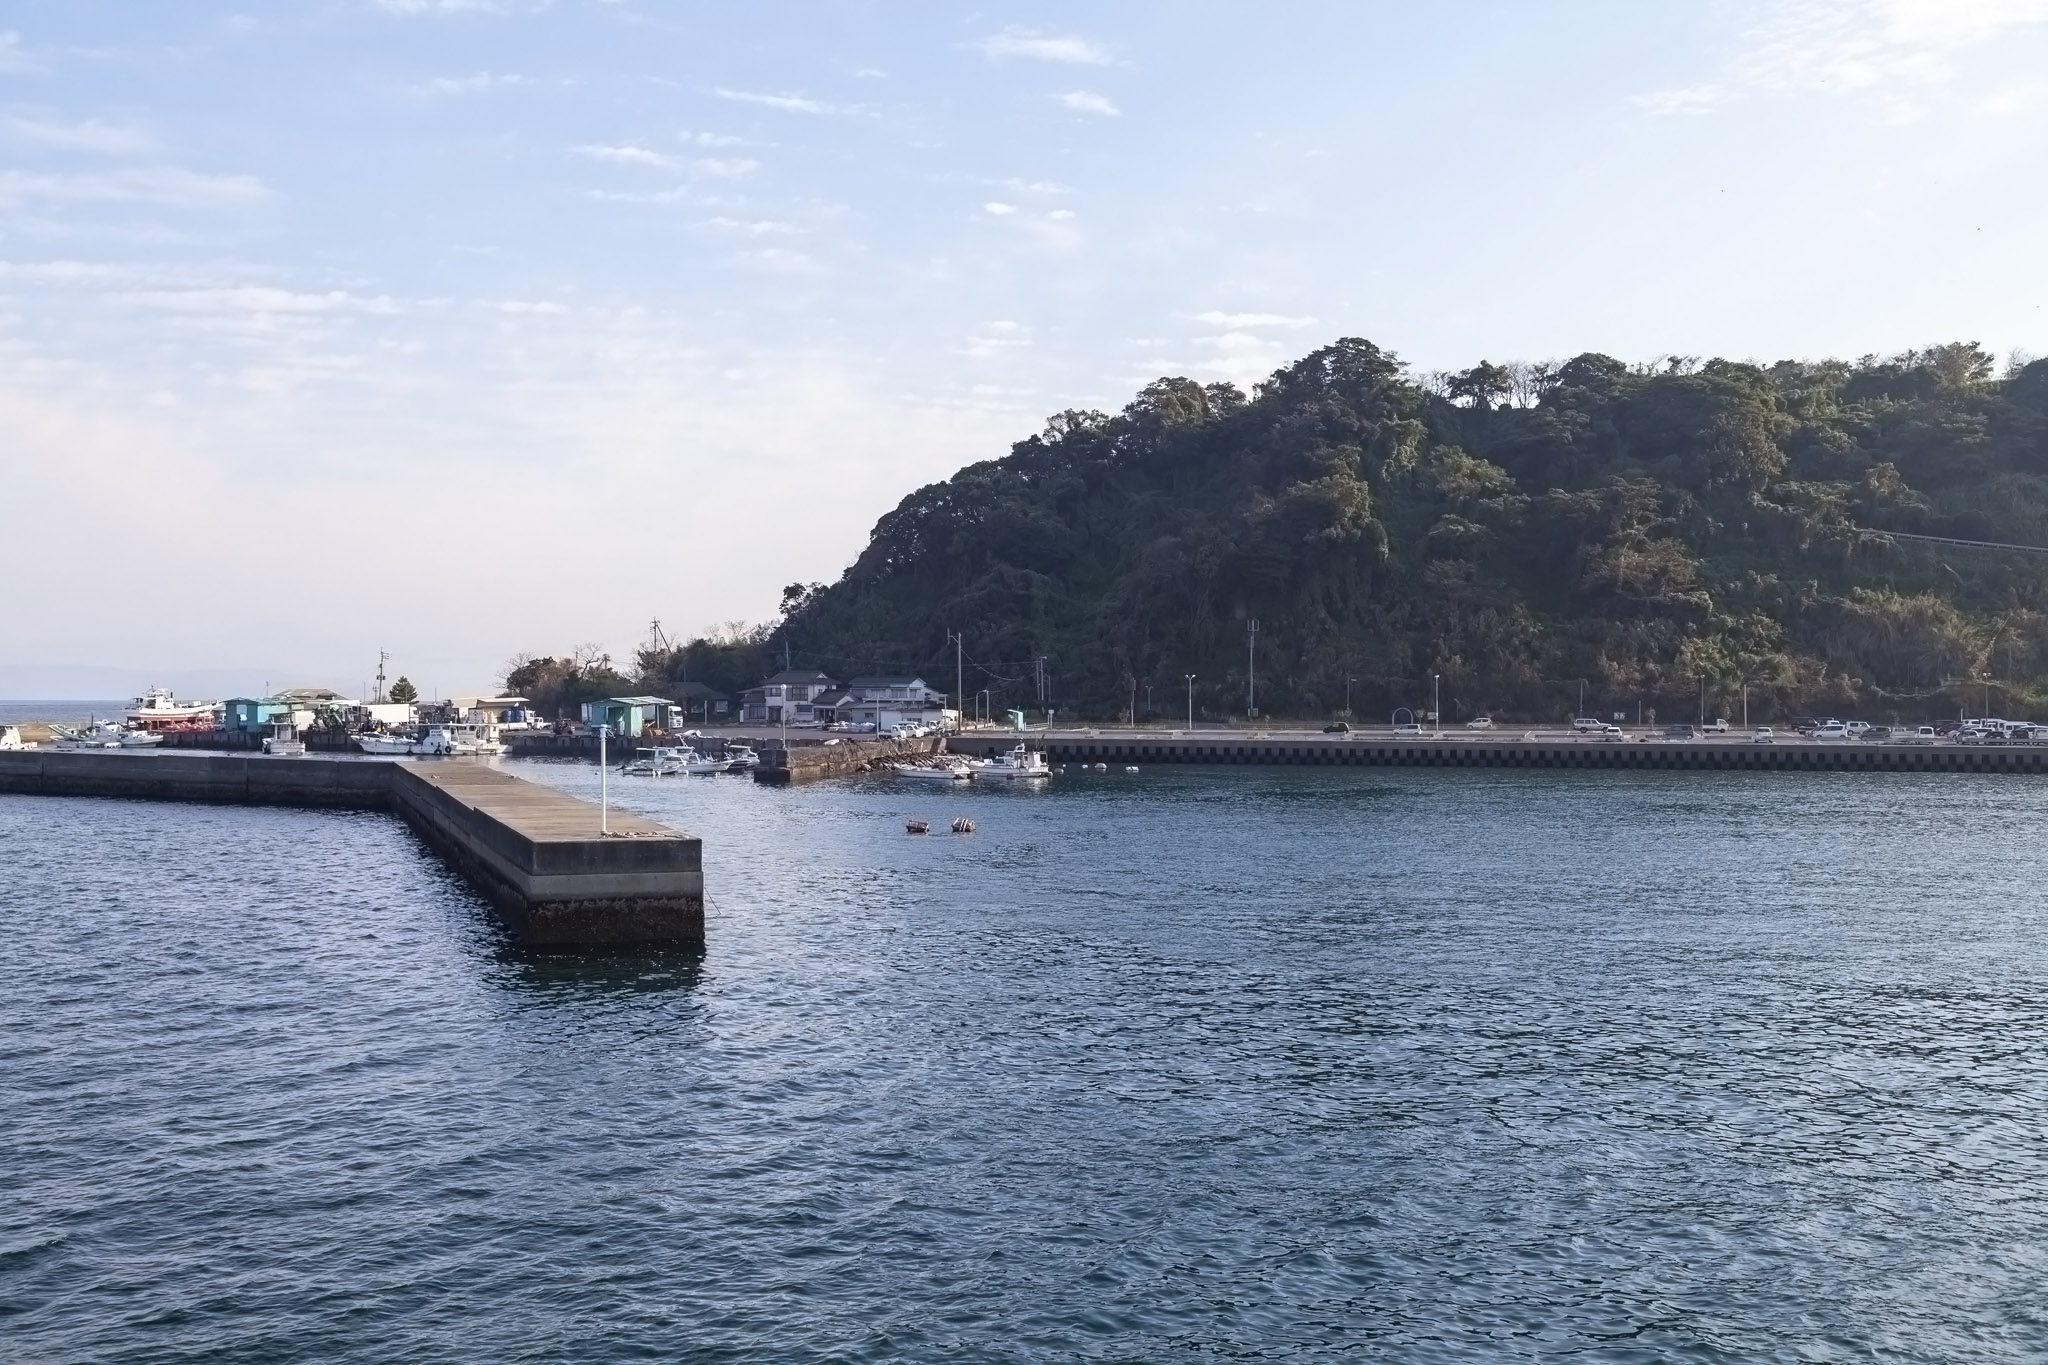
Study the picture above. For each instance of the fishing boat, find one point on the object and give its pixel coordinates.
(283, 740)
(1018, 765)
(395, 743)
(104, 734)
(956, 771)
(158, 707)
(694, 762)
(742, 758)
(656, 762)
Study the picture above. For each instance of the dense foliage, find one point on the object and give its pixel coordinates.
(1649, 532)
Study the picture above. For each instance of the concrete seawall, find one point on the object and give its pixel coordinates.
(535, 853)
(809, 762)
(1370, 752)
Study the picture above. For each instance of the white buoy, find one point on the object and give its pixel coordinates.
(1131, 768)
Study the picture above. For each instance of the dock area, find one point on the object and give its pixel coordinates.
(554, 877)
(1367, 750)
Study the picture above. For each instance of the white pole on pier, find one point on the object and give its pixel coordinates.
(604, 775)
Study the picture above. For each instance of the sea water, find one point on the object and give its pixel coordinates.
(1194, 1064)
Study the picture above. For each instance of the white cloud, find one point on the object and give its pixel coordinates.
(262, 300)
(1239, 321)
(999, 209)
(787, 103)
(475, 83)
(1886, 49)
(170, 185)
(110, 139)
(440, 6)
(709, 140)
(780, 260)
(14, 59)
(542, 308)
(762, 227)
(1036, 46)
(629, 155)
(1060, 215)
(1088, 102)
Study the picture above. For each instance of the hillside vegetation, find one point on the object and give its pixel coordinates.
(1647, 531)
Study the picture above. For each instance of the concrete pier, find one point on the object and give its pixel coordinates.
(535, 853)
(1372, 751)
(781, 766)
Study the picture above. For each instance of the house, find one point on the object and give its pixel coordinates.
(630, 716)
(252, 715)
(829, 708)
(888, 701)
(786, 698)
(510, 713)
(703, 702)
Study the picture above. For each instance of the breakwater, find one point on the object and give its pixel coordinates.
(1373, 752)
(809, 762)
(539, 856)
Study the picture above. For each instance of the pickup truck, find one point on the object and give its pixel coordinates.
(1716, 726)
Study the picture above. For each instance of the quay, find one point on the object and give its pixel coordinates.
(1361, 749)
(538, 855)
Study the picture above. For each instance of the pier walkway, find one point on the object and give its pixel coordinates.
(538, 855)
(1378, 751)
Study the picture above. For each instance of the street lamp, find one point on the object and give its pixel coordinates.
(1436, 702)
(1348, 680)
(1191, 701)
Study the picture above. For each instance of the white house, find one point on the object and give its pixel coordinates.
(787, 697)
(889, 701)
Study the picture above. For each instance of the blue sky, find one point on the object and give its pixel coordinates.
(465, 328)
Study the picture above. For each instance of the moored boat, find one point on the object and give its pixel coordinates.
(1019, 764)
(283, 740)
(956, 771)
(157, 707)
(104, 734)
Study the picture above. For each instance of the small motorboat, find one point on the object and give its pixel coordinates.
(395, 743)
(104, 734)
(956, 771)
(656, 762)
(741, 758)
(1020, 764)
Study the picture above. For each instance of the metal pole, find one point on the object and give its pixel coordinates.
(604, 773)
(1251, 669)
(1191, 701)
(1745, 706)
(1436, 702)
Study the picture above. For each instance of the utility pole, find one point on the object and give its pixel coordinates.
(1134, 699)
(1582, 699)
(1348, 680)
(1745, 706)
(1436, 701)
(1191, 701)
(959, 673)
(383, 657)
(1251, 668)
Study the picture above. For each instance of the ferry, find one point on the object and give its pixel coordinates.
(157, 707)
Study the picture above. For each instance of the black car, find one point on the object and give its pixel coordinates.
(1341, 727)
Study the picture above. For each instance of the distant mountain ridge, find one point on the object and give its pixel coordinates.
(1654, 534)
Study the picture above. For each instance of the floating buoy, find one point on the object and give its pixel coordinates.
(1102, 767)
(1130, 767)
(917, 827)
(963, 826)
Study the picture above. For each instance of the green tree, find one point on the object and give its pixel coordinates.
(403, 691)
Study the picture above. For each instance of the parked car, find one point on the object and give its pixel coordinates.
(1479, 723)
(1831, 729)
(1587, 724)
(1679, 732)
(1611, 734)
(1857, 728)
(1338, 727)
(1762, 735)
(1411, 728)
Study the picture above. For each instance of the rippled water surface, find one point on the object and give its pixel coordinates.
(1202, 1065)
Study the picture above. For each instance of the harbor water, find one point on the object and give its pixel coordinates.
(1204, 1065)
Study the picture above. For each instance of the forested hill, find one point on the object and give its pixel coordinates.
(1518, 529)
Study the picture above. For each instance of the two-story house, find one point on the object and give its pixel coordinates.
(888, 701)
(785, 699)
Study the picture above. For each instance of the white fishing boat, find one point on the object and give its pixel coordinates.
(741, 758)
(694, 762)
(387, 744)
(1020, 764)
(158, 707)
(656, 762)
(283, 740)
(956, 771)
(104, 734)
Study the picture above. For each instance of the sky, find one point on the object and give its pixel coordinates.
(466, 328)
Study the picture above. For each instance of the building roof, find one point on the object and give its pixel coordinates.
(900, 680)
(638, 701)
(798, 675)
(698, 691)
(838, 696)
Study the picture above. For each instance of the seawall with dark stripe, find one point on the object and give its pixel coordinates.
(1488, 753)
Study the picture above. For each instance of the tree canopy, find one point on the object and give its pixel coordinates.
(1653, 531)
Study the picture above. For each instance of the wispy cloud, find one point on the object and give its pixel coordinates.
(1088, 102)
(693, 139)
(998, 208)
(108, 139)
(170, 185)
(758, 227)
(788, 103)
(1886, 49)
(629, 155)
(995, 338)
(440, 6)
(1239, 321)
(1032, 45)
(476, 83)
